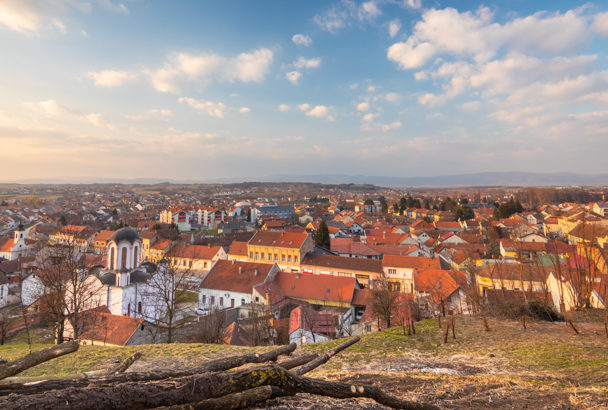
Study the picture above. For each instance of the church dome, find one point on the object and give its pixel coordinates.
(124, 234)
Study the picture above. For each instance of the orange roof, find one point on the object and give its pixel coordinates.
(342, 262)
(236, 276)
(112, 329)
(161, 245)
(317, 287)
(193, 251)
(418, 262)
(439, 283)
(278, 239)
(7, 245)
(238, 248)
(104, 235)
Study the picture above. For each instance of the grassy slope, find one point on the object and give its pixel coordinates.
(544, 363)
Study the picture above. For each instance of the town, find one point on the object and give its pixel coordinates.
(269, 264)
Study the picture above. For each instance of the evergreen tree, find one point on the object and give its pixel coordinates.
(322, 236)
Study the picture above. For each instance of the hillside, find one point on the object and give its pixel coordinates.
(544, 366)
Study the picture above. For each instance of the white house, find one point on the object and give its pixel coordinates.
(230, 283)
(14, 247)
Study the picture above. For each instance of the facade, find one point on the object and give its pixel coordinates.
(400, 270)
(14, 247)
(286, 249)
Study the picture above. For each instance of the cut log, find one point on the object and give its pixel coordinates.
(193, 389)
(233, 401)
(212, 366)
(33, 359)
(572, 326)
(297, 361)
(328, 355)
(122, 367)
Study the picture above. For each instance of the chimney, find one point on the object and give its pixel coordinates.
(255, 272)
(209, 245)
(240, 270)
(234, 260)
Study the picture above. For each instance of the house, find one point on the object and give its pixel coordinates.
(148, 238)
(364, 270)
(158, 250)
(512, 276)
(100, 327)
(286, 249)
(400, 270)
(230, 284)
(15, 247)
(101, 242)
(350, 248)
(441, 292)
(309, 326)
(194, 258)
(238, 251)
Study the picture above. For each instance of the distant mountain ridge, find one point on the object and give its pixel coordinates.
(460, 180)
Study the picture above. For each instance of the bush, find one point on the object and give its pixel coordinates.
(543, 311)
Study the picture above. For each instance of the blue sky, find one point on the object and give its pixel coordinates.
(209, 89)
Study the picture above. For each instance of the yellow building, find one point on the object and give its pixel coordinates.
(286, 249)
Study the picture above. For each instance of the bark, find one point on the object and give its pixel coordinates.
(33, 359)
(447, 331)
(606, 325)
(328, 355)
(196, 388)
(122, 367)
(234, 401)
(297, 361)
(453, 326)
(523, 321)
(212, 366)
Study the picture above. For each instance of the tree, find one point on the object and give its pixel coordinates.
(383, 203)
(463, 212)
(66, 290)
(384, 299)
(322, 238)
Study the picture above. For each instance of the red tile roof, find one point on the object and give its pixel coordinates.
(417, 262)
(238, 248)
(293, 240)
(236, 276)
(343, 262)
(315, 287)
(193, 251)
(109, 328)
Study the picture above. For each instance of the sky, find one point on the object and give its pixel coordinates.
(200, 90)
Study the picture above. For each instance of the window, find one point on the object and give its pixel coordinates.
(231, 302)
(242, 301)
(139, 307)
(221, 301)
(205, 265)
(295, 259)
(257, 255)
(288, 258)
(392, 271)
(283, 258)
(263, 256)
(250, 255)
(204, 300)
(213, 300)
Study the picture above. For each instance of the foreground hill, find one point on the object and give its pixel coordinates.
(546, 365)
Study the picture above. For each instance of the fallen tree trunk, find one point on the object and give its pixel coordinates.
(122, 367)
(234, 401)
(33, 359)
(212, 366)
(325, 357)
(193, 389)
(297, 361)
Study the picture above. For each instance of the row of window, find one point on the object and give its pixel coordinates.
(262, 256)
(212, 301)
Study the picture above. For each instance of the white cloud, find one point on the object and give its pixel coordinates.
(391, 97)
(283, 107)
(369, 117)
(413, 4)
(471, 106)
(364, 106)
(213, 109)
(368, 11)
(161, 113)
(391, 126)
(304, 107)
(53, 109)
(320, 111)
(331, 21)
(302, 62)
(293, 76)
(184, 68)
(302, 40)
(111, 78)
(30, 16)
(475, 35)
(393, 28)
(244, 110)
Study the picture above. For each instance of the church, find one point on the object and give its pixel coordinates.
(14, 247)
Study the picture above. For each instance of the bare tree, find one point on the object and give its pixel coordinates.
(211, 328)
(383, 300)
(67, 290)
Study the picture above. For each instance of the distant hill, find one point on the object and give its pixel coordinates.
(459, 180)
